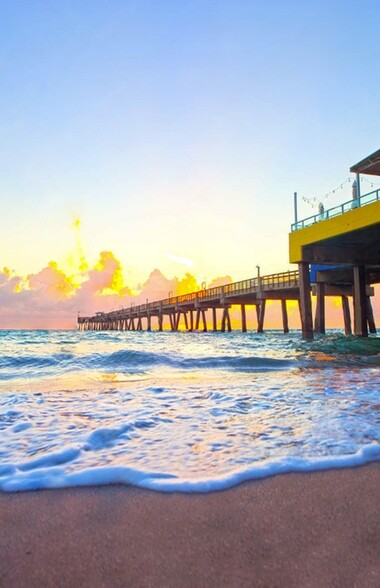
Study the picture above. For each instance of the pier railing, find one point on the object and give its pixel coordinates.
(228, 292)
(279, 280)
(337, 210)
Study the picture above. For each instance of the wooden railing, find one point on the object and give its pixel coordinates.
(251, 286)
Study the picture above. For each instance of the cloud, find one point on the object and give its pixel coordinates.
(51, 282)
(156, 287)
(181, 260)
(221, 281)
(51, 297)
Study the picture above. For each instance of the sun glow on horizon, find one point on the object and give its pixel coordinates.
(51, 297)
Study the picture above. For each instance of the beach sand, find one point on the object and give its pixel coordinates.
(296, 530)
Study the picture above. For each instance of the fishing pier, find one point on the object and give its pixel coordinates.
(337, 253)
(191, 309)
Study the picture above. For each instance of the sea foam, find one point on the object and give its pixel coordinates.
(16, 479)
(189, 412)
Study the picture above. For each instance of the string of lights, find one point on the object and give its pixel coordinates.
(370, 182)
(314, 201)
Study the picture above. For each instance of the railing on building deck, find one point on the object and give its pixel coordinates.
(337, 210)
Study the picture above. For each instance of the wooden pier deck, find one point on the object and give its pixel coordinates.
(191, 308)
(188, 311)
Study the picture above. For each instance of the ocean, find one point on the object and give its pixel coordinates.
(190, 412)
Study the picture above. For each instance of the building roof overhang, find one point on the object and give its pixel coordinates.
(369, 165)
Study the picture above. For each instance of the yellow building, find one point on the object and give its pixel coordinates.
(347, 238)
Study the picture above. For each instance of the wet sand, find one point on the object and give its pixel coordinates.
(296, 530)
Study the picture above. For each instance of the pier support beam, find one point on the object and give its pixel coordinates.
(305, 300)
(370, 317)
(243, 319)
(260, 322)
(191, 321)
(319, 323)
(360, 302)
(204, 321)
(197, 319)
(346, 316)
(179, 319)
(226, 321)
(257, 308)
(214, 321)
(284, 312)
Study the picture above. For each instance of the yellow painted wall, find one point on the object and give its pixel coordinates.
(351, 220)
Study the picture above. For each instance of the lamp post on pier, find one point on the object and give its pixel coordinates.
(259, 288)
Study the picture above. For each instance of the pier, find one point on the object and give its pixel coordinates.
(191, 308)
(210, 308)
(344, 242)
(337, 254)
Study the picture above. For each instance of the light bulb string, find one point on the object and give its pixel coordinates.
(315, 201)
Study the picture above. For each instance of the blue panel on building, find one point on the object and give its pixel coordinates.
(319, 268)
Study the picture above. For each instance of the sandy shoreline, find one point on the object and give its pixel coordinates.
(295, 530)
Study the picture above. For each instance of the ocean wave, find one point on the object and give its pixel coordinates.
(343, 345)
(130, 361)
(139, 359)
(26, 361)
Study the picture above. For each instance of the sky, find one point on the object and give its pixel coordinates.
(148, 145)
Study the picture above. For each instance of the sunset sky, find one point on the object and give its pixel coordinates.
(147, 146)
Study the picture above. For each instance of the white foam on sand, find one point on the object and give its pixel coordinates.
(50, 473)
